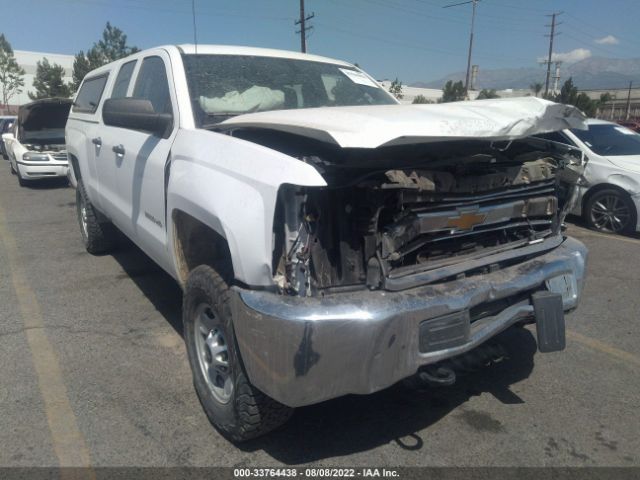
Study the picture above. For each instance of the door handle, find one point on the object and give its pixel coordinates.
(97, 141)
(118, 149)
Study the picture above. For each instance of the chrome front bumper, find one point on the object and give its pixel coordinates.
(301, 351)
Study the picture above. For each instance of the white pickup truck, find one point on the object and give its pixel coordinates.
(328, 240)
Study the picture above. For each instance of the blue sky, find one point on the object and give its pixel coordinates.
(415, 40)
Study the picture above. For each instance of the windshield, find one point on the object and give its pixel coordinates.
(222, 86)
(611, 140)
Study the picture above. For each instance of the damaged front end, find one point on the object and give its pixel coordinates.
(419, 249)
(443, 211)
(410, 256)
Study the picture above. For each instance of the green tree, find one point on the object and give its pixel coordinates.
(83, 64)
(11, 81)
(112, 46)
(396, 89)
(484, 93)
(421, 99)
(569, 95)
(605, 98)
(536, 88)
(49, 82)
(453, 92)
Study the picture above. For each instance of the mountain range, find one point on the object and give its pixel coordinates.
(590, 73)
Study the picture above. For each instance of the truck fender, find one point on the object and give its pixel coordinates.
(231, 185)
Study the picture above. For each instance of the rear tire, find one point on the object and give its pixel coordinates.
(98, 237)
(610, 211)
(234, 406)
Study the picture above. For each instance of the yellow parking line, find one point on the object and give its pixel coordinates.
(588, 233)
(68, 442)
(604, 348)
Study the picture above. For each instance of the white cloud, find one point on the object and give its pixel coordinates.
(608, 40)
(568, 57)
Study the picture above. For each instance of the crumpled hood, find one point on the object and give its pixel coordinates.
(628, 162)
(385, 125)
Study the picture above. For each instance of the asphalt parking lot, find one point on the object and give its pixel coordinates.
(93, 371)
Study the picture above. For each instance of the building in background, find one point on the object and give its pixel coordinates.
(409, 93)
(624, 104)
(29, 61)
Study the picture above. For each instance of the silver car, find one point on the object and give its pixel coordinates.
(609, 190)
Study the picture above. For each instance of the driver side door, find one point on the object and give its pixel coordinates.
(141, 160)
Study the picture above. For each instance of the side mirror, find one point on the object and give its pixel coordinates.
(136, 114)
(579, 156)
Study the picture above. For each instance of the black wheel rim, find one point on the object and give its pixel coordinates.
(609, 213)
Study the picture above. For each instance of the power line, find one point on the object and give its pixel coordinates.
(519, 7)
(217, 13)
(497, 24)
(302, 21)
(352, 27)
(591, 27)
(583, 37)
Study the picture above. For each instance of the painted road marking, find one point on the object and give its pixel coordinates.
(68, 442)
(605, 348)
(588, 233)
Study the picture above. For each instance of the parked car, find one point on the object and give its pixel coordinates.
(328, 240)
(6, 124)
(37, 150)
(631, 124)
(609, 191)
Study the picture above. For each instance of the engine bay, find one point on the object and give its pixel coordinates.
(402, 211)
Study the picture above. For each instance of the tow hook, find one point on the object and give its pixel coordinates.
(445, 373)
(437, 376)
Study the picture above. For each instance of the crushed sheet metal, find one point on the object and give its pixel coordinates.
(386, 125)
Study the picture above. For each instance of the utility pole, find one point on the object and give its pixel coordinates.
(474, 76)
(551, 36)
(629, 102)
(473, 20)
(303, 27)
(556, 77)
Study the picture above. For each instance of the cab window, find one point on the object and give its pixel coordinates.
(89, 95)
(152, 84)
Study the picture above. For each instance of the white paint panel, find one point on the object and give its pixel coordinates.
(383, 125)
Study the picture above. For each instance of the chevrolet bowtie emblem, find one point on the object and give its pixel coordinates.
(466, 221)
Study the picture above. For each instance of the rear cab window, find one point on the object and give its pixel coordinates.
(123, 79)
(90, 93)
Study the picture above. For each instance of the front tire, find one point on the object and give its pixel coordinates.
(98, 238)
(610, 211)
(234, 406)
(21, 181)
